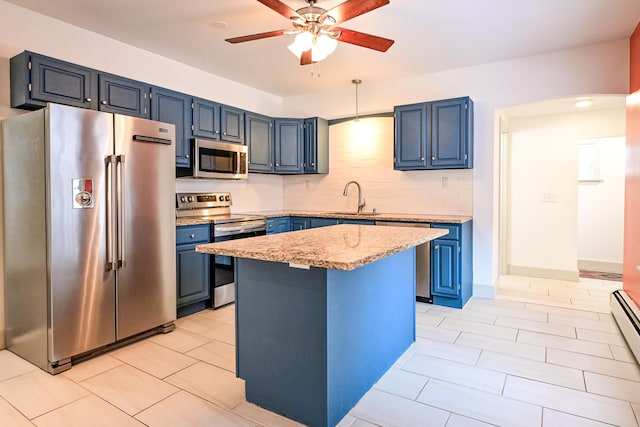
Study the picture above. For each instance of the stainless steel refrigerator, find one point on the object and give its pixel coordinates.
(89, 232)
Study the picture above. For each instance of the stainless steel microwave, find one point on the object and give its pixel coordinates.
(216, 159)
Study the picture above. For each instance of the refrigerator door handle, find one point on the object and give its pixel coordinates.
(109, 161)
(122, 257)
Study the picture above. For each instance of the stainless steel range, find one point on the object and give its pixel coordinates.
(215, 209)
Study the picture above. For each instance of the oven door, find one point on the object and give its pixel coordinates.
(213, 159)
(223, 267)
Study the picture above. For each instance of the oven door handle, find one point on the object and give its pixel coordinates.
(225, 231)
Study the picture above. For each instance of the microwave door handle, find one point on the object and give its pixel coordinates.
(109, 161)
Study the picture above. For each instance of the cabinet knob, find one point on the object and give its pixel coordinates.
(277, 164)
(186, 156)
(436, 247)
(217, 132)
(313, 164)
(192, 236)
(224, 133)
(433, 158)
(103, 102)
(422, 159)
(88, 99)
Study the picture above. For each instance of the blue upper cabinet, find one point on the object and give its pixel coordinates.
(174, 107)
(434, 135)
(316, 145)
(452, 133)
(123, 96)
(231, 124)
(411, 128)
(37, 79)
(289, 145)
(217, 121)
(206, 119)
(259, 140)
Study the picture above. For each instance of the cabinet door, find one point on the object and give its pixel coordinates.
(231, 124)
(411, 130)
(445, 268)
(61, 82)
(289, 146)
(123, 96)
(278, 225)
(206, 119)
(259, 139)
(310, 146)
(192, 275)
(450, 133)
(173, 107)
(299, 224)
(322, 222)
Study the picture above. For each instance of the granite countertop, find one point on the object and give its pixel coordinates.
(338, 247)
(406, 217)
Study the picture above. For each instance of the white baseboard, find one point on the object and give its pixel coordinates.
(484, 291)
(544, 273)
(604, 266)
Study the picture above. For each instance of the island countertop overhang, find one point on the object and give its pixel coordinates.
(338, 247)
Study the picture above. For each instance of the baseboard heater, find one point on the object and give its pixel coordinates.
(627, 315)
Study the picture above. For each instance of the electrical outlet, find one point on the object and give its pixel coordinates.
(445, 182)
(307, 183)
(549, 198)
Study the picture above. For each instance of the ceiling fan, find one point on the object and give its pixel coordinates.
(317, 36)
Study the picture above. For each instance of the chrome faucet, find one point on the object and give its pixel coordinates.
(361, 201)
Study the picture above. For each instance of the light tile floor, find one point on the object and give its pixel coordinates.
(542, 353)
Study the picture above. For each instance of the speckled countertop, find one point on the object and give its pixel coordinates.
(408, 217)
(338, 247)
(421, 218)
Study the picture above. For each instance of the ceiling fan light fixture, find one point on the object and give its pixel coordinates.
(321, 46)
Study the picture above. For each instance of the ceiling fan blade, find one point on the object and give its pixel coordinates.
(365, 40)
(256, 36)
(306, 57)
(281, 8)
(351, 8)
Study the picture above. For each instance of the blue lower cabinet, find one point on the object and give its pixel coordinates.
(299, 223)
(322, 222)
(311, 342)
(193, 270)
(451, 270)
(278, 225)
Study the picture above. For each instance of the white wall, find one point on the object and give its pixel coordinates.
(598, 69)
(365, 153)
(601, 209)
(543, 189)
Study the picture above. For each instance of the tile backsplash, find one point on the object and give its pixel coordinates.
(363, 152)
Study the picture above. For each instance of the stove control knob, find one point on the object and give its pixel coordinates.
(226, 198)
(190, 199)
(182, 199)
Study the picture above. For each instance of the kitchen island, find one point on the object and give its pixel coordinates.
(322, 314)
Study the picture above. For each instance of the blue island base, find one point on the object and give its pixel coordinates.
(312, 342)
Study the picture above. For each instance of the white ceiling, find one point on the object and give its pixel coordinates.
(430, 35)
